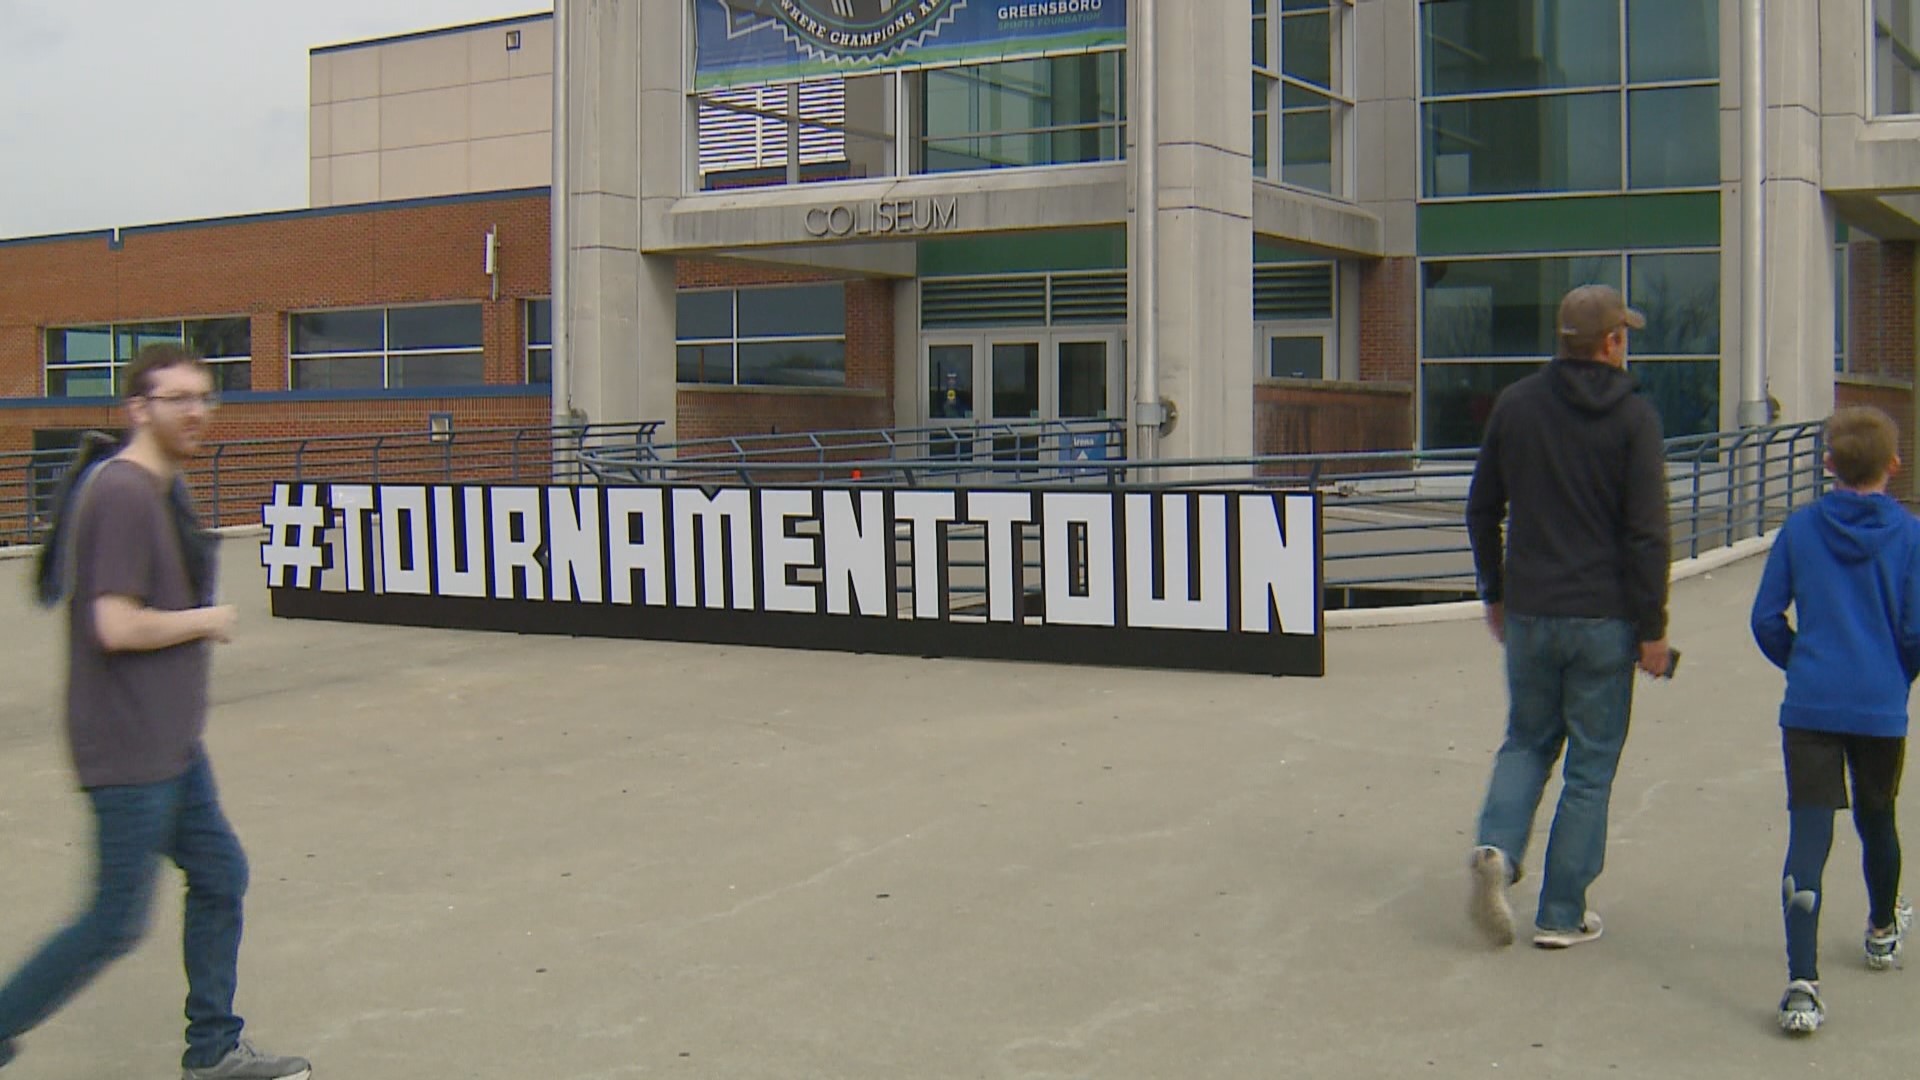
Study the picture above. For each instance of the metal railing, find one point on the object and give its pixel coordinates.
(951, 454)
(1394, 521)
(231, 480)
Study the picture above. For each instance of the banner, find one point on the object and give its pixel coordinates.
(752, 42)
(1206, 580)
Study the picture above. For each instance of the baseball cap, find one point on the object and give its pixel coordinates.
(1594, 311)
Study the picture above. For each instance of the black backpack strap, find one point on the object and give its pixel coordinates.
(53, 570)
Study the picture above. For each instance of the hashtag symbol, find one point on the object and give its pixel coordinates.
(295, 547)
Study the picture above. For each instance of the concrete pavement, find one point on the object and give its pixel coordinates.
(499, 857)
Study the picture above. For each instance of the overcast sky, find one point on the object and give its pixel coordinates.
(130, 112)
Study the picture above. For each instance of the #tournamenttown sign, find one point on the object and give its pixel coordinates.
(1207, 580)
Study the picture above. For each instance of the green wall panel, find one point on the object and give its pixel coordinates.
(1025, 253)
(1599, 223)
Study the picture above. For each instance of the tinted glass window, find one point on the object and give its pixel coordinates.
(1669, 40)
(794, 363)
(445, 369)
(1503, 307)
(339, 331)
(1488, 45)
(1680, 296)
(355, 373)
(215, 338)
(703, 314)
(801, 311)
(80, 345)
(452, 326)
(1675, 137)
(1505, 146)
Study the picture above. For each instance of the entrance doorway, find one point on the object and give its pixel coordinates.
(1015, 375)
(1011, 376)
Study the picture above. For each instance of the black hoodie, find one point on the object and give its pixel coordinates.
(1576, 454)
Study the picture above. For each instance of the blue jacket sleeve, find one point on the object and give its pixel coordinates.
(1910, 617)
(1771, 630)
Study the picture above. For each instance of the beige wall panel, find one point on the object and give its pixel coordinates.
(320, 182)
(513, 161)
(319, 131)
(319, 78)
(427, 118)
(487, 52)
(423, 64)
(355, 74)
(535, 55)
(353, 127)
(419, 171)
(511, 107)
(355, 178)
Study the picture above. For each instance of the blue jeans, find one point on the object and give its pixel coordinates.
(136, 825)
(1569, 683)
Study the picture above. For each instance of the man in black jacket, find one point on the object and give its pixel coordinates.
(1572, 457)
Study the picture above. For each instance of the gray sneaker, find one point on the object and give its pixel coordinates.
(243, 1062)
(1801, 1010)
(1883, 945)
(1488, 905)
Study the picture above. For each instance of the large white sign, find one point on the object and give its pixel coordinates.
(1205, 579)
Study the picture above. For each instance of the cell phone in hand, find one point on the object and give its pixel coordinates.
(1673, 663)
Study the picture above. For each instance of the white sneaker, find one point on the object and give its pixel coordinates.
(1801, 1010)
(1589, 930)
(1488, 906)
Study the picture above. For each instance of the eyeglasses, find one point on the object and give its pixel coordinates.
(208, 401)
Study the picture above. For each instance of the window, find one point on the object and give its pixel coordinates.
(1294, 331)
(1487, 322)
(89, 361)
(1896, 66)
(789, 133)
(1554, 96)
(539, 321)
(1842, 304)
(1055, 111)
(789, 335)
(1302, 101)
(387, 348)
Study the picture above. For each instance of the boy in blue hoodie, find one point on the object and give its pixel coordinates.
(1850, 567)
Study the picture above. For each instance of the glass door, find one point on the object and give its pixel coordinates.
(950, 381)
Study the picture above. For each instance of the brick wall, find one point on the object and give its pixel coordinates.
(867, 401)
(265, 266)
(1331, 418)
(1880, 308)
(269, 420)
(1389, 305)
(1895, 398)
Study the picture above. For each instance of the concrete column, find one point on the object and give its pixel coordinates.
(621, 362)
(1387, 119)
(1799, 310)
(909, 392)
(1205, 214)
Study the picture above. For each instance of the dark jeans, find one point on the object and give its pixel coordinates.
(136, 825)
(1569, 684)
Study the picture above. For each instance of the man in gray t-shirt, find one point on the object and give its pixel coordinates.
(141, 621)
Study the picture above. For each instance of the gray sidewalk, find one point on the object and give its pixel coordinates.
(498, 857)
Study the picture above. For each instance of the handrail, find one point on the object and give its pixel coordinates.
(1390, 518)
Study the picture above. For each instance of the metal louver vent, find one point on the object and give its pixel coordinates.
(1293, 292)
(999, 301)
(1090, 298)
(753, 133)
